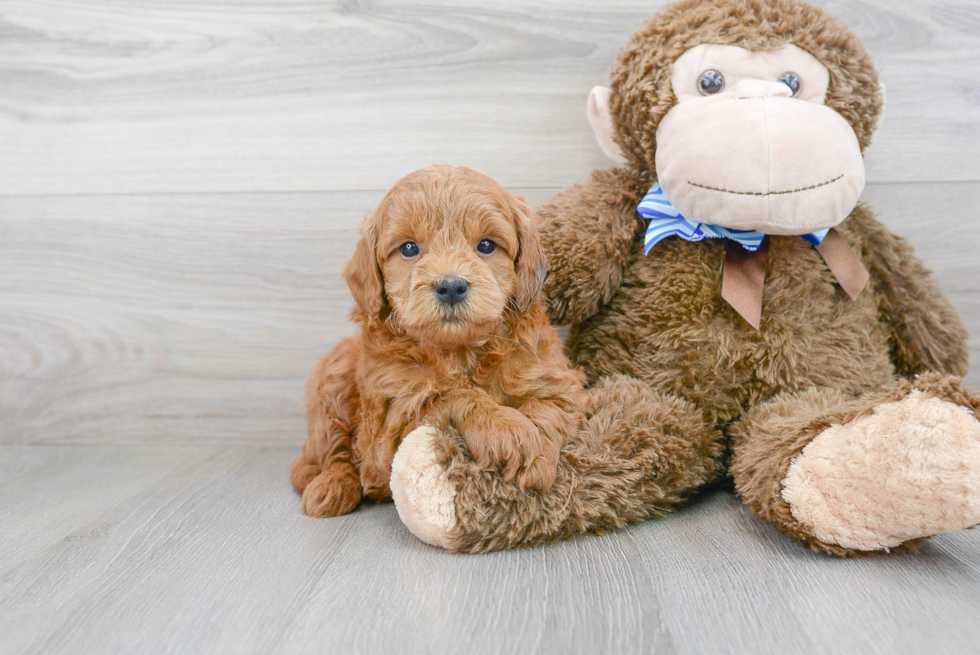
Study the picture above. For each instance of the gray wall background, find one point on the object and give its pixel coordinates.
(180, 182)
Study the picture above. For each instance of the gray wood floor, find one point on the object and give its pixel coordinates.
(201, 549)
(180, 183)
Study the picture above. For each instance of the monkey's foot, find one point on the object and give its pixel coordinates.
(638, 455)
(904, 470)
(420, 486)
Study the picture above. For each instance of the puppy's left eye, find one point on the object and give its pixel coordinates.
(486, 246)
(409, 249)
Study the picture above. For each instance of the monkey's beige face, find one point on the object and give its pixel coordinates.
(447, 262)
(751, 145)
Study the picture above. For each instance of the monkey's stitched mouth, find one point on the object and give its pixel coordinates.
(766, 193)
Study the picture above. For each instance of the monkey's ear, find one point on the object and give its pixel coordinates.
(601, 121)
(362, 272)
(530, 264)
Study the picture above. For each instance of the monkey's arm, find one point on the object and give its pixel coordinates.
(587, 232)
(925, 332)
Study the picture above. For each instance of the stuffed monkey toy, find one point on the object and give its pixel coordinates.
(736, 311)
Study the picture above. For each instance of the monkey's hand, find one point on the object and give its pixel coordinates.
(587, 232)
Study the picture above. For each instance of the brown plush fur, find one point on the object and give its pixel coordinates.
(682, 383)
(638, 456)
(668, 325)
(492, 366)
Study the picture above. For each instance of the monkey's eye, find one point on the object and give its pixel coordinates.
(486, 246)
(711, 82)
(409, 249)
(792, 80)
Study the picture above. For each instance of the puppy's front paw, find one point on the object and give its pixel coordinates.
(333, 492)
(510, 441)
(540, 472)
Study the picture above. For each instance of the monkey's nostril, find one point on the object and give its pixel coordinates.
(451, 290)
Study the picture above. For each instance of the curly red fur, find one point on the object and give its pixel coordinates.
(491, 365)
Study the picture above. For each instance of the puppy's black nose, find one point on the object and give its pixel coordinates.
(451, 290)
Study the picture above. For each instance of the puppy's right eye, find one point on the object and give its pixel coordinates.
(409, 249)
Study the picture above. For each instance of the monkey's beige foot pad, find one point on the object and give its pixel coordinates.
(423, 495)
(910, 469)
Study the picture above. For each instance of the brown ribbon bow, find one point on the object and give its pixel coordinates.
(744, 274)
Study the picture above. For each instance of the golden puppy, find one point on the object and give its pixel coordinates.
(446, 278)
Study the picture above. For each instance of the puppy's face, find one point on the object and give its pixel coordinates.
(452, 252)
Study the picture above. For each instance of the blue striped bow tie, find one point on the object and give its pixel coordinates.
(666, 221)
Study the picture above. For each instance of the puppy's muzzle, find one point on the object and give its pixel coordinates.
(451, 291)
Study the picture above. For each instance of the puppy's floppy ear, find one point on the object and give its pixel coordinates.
(362, 272)
(531, 265)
